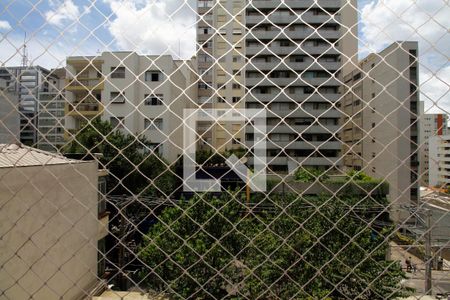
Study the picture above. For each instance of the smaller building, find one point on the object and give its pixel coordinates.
(27, 83)
(439, 162)
(51, 113)
(141, 95)
(50, 226)
(380, 123)
(9, 115)
(430, 125)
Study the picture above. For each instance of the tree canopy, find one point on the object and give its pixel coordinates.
(289, 247)
(133, 167)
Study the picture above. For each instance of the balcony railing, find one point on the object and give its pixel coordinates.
(85, 109)
(83, 84)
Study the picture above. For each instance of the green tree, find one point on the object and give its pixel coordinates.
(309, 174)
(133, 168)
(291, 247)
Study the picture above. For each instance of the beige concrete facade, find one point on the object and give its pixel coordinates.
(439, 161)
(140, 95)
(9, 115)
(296, 54)
(51, 113)
(430, 125)
(380, 128)
(48, 224)
(221, 60)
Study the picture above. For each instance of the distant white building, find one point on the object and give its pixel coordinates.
(380, 123)
(430, 125)
(51, 113)
(139, 94)
(49, 225)
(439, 163)
(9, 115)
(27, 83)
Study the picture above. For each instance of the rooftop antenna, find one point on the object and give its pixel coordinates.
(25, 51)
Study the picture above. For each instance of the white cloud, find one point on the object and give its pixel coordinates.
(4, 25)
(153, 27)
(425, 21)
(42, 50)
(64, 11)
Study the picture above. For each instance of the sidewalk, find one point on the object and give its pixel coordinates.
(416, 280)
(399, 253)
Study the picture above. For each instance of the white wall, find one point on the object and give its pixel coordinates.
(48, 225)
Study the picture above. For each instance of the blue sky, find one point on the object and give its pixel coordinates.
(59, 28)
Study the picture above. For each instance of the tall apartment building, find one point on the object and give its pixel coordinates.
(51, 113)
(139, 94)
(430, 125)
(380, 131)
(27, 82)
(296, 53)
(9, 116)
(439, 162)
(221, 59)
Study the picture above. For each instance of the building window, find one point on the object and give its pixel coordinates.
(204, 3)
(153, 124)
(297, 58)
(203, 85)
(373, 125)
(236, 141)
(236, 86)
(236, 99)
(308, 90)
(221, 99)
(117, 97)
(156, 148)
(204, 99)
(117, 122)
(208, 44)
(154, 99)
(117, 72)
(153, 76)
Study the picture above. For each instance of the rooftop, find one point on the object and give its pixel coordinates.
(14, 155)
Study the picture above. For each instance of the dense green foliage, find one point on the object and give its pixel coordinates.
(288, 248)
(308, 174)
(359, 176)
(133, 168)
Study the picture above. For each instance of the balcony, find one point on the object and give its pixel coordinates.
(300, 34)
(83, 109)
(295, 4)
(298, 97)
(290, 50)
(303, 17)
(291, 81)
(85, 84)
(288, 65)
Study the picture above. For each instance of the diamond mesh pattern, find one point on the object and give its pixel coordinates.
(94, 197)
